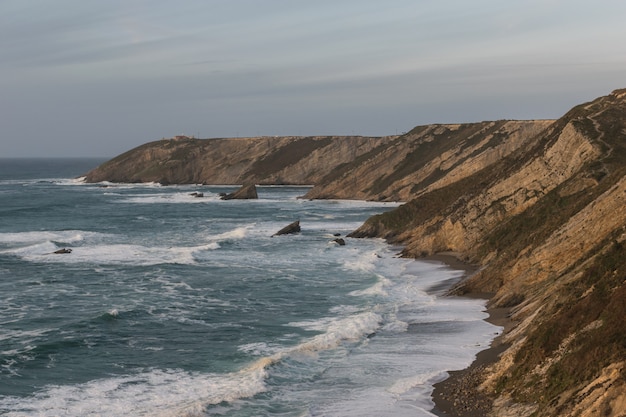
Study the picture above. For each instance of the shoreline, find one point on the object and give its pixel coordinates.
(458, 395)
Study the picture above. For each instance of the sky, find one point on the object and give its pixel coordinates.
(95, 78)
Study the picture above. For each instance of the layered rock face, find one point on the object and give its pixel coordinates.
(548, 225)
(264, 160)
(539, 205)
(425, 159)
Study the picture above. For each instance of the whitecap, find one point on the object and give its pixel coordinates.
(235, 234)
(125, 254)
(168, 198)
(378, 289)
(338, 330)
(365, 262)
(66, 236)
(160, 393)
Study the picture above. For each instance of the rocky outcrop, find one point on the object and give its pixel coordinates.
(246, 192)
(62, 251)
(289, 229)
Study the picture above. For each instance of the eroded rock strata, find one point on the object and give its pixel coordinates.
(539, 205)
(547, 223)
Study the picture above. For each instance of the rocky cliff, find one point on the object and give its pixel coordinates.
(539, 205)
(426, 158)
(263, 160)
(547, 223)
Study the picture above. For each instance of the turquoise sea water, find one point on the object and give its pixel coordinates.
(172, 305)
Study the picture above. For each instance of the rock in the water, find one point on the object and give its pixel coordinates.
(196, 194)
(246, 192)
(289, 229)
(340, 241)
(64, 250)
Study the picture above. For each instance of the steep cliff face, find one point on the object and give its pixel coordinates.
(264, 160)
(548, 224)
(425, 159)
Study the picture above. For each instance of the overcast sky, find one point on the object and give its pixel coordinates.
(99, 77)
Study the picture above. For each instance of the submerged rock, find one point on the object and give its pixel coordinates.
(64, 250)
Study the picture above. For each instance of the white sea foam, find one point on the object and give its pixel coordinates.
(70, 181)
(65, 236)
(364, 262)
(155, 393)
(115, 254)
(128, 185)
(335, 332)
(238, 233)
(377, 289)
(338, 330)
(169, 198)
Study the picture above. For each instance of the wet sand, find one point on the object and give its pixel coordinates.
(458, 395)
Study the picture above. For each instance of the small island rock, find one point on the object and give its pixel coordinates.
(289, 229)
(64, 250)
(246, 192)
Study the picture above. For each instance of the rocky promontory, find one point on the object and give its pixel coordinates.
(547, 226)
(264, 160)
(538, 206)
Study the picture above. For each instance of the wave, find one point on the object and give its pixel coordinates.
(62, 236)
(153, 393)
(366, 262)
(128, 185)
(93, 247)
(235, 234)
(377, 289)
(115, 254)
(337, 330)
(170, 198)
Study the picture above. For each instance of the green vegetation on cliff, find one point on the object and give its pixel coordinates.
(548, 225)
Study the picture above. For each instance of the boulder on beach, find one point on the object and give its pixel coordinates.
(246, 192)
(289, 229)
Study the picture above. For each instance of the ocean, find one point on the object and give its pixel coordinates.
(175, 305)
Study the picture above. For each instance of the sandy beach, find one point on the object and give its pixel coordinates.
(458, 395)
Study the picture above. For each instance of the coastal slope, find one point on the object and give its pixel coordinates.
(292, 160)
(539, 206)
(547, 223)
